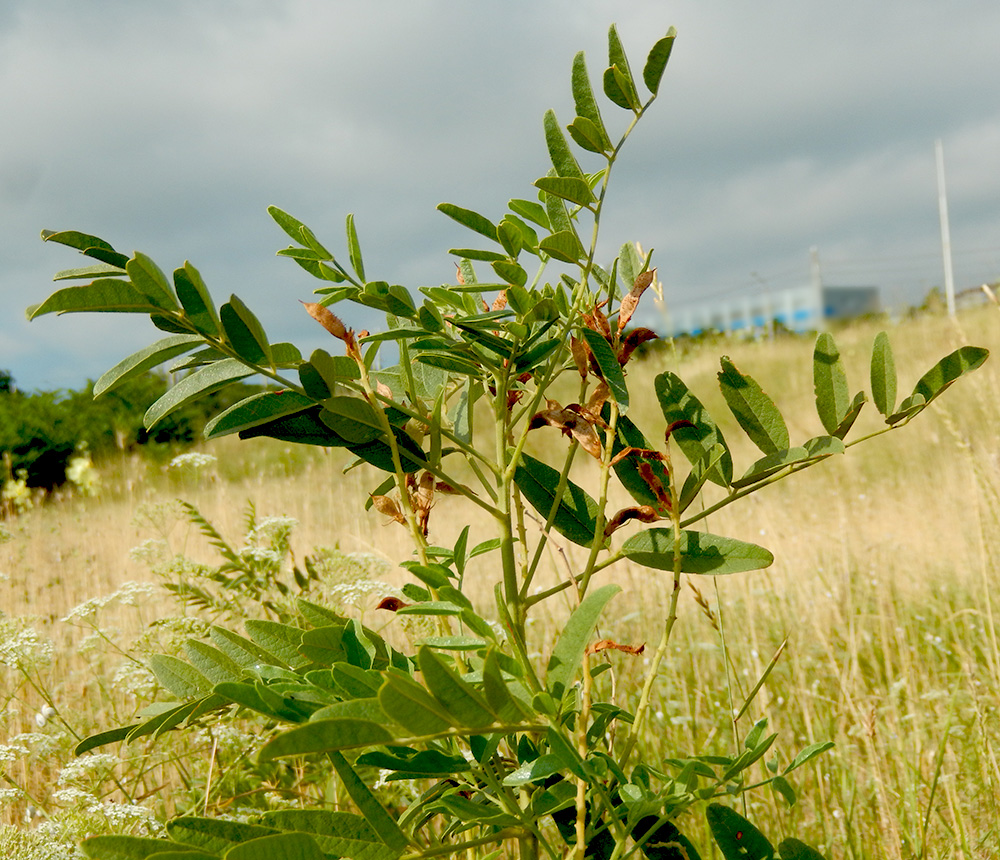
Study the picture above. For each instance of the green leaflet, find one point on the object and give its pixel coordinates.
(948, 369)
(619, 85)
(793, 849)
(354, 249)
(340, 834)
(563, 245)
(195, 299)
(753, 409)
(883, 375)
(302, 427)
(245, 333)
(146, 359)
(351, 418)
(736, 837)
(852, 415)
(576, 515)
(770, 465)
(281, 846)
(129, 848)
(281, 640)
(700, 552)
(568, 188)
(833, 399)
(151, 282)
(89, 246)
(202, 381)
(473, 220)
(568, 652)
(611, 370)
(180, 678)
(532, 210)
(700, 472)
(213, 834)
(656, 61)
(104, 295)
(255, 410)
(586, 105)
(337, 733)
(678, 404)
(459, 700)
(101, 739)
(243, 651)
(409, 704)
(212, 663)
(586, 134)
(562, 157)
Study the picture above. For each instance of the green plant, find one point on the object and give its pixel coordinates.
(506, 751)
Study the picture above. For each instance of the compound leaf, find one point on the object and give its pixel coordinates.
(753, 409)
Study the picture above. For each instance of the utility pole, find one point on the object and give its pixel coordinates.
(816, 281)
(949, 275)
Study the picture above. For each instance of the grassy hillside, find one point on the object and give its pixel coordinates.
(882, 591)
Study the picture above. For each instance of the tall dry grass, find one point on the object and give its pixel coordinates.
(883, 586)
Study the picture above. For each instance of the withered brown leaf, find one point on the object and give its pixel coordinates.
(611, 645)
(573, 421)
(632, 340)
(631, 301)
(387, 506)
(392, 604)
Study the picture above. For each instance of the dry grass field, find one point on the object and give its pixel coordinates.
(884, 585)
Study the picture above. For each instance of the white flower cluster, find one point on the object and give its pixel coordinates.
(128, 594)
(25, 647)
(90, 769)
(80, 472)
(192, 460)
(271, 529)
(353, 592)
(16, 494)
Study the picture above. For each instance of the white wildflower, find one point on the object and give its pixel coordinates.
(10, 795)
(25, 648)
(192, 460)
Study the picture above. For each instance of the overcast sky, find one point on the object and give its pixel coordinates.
(170, 127)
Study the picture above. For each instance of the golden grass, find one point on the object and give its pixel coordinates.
(883, 585)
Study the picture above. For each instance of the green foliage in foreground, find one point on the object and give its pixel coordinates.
(508, 750)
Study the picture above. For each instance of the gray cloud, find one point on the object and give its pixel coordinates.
(170, 128)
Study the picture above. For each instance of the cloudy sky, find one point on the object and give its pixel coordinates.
(170, 127)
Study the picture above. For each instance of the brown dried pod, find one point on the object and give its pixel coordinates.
(387, 506)
(423, 500)
(572, 423)
(631, 301)
(581, 355)
(653, 482)
(500, 302)
(643, 513)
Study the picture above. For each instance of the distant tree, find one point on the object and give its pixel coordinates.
(6, 382)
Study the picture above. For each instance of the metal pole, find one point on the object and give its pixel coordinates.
(949, 275)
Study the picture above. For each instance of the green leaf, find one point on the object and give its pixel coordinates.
(473, 220)
(281, 640)
(180, 678)
(458, 699)
(304, 428)
(736, 837)
(852, 415)
(910, 406)
(618, 60)
(562, 157)
(338, 733)
(195, 299)
(562, 245)
(587, 135)
(781, 786)
(255, 410)
(409, 763)
(823, 446)
(354, 249)
(376, 815)
(511, 272)
(808, 754)
(151, 281)
(212, 663)
(243, 651)
(202, 381)
(656, 61)
(576, 516)
(567, 655)
(367, 709)
(700, 552)
(586, 105)
(700, 473)
(146, 359)
(245, 332)
(112, 736)
(565, 753)
(127, 847)
(962, 361)
(883, 375)
(104, 295)
(89, 272)
(753, 409)
(214, 835)
(611, 370)
(410, 705)
(531, 210)
(793, 849)
(89, 246)
(352, 418)
(339, 834)
(281, 846)
(678, 404)
(568, 188)
(833, 399)
(770, 465)
(292, 226)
